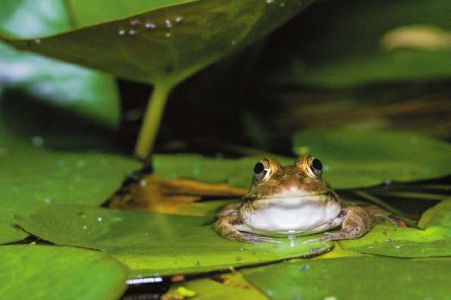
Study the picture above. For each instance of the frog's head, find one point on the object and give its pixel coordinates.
(303, 178)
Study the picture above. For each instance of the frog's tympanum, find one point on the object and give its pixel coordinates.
(293, 200)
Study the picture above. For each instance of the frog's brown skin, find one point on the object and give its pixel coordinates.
(293, 200)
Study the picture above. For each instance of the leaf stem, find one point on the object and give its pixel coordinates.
(152, 119)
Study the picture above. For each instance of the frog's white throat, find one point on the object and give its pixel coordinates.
(284, 215)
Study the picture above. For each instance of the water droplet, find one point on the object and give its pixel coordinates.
(269, 1)
(270, 293)
(132, 32)
(100, 219)
(37, 141)
(305, 267)
(85, 227)
(168, 34)
(397, 246)
(149, 25)
(330, 298)
(233, 42)
(168, 23)
(282, 4)
(135, 22)
(121, 31)
(178, 19)
(143, 183)
(37, 41)
(47, 200)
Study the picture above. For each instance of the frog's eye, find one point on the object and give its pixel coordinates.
(261, 171)
(316, 167)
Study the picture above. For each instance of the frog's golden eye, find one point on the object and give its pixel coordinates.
(315, 167)
(262, 170)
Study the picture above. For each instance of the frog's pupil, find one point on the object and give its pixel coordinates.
(259, 167)
(317, 165)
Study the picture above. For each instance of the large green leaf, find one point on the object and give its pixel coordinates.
(355, 278)
(45, 272)
(84, 13)
(358, 157)
(363, 42)
(186, 37)
(156, 244)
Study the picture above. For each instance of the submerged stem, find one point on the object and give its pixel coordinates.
(151, 122)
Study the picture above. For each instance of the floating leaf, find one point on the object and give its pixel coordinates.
(359, 277)
(46, 272)
(33, 176)
(359, 157)
(156, 244)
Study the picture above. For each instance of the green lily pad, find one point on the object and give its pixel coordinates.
(432, 241)
(32, 175)
(355, 278)
(351, 158)
(156, 244)
(46, 272)
(365, 157)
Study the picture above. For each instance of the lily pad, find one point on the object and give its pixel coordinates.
(36, 272)
(432, 241)
(365, 157)
(156, 244)
(32, 175)
(362, 278)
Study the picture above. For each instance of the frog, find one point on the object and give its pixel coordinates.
(294, 200)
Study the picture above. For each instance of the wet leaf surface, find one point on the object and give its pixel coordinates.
(33, 176)
(179, 39)
(47, 272)
(156, 244)
(356, 277)
(364, 157)
(432, 241)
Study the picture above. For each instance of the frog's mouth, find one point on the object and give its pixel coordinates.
(297, 194)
